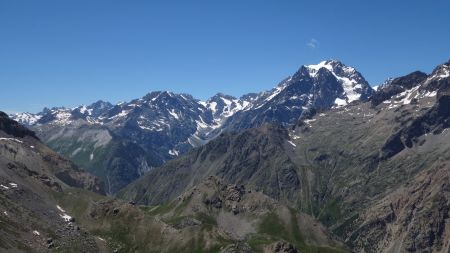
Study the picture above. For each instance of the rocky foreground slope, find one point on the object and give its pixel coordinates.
(376, 174)
(31, 178)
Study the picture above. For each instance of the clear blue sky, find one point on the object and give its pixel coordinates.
(65, 53)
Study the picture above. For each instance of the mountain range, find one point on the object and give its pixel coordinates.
(162, 125)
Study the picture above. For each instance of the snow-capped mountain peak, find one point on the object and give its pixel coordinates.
(354, 85)
(314, 68)
(440, 72)
(223, 106)
(439, 79)
(26, 118)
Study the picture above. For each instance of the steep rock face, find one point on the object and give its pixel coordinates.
(434, 121)
(436, 118)
(235, 158)
(439, 79)
(396, 86)
(413, 218)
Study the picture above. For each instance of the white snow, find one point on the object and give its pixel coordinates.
(201, 124)
(277, 91)
(195, 141)
(91, 157)
(13, 185)
(340, 102)
(11, 139)
(295, 137)
(408, 95)
(308, 121)
(62, 117)
(150, 128)
(153, 99)
(430, 94)
(4, 187)
(191, 142)
(26, 118)
(226, 101)
(213, 106)
(231, 107)
(173, 152)
(445, 74)
(155, 125)
(393, 106)
(84, 109)
(313, 69)
(123, 113)
(64, 215)
(60, 209)
(245, 104)
(349, 85)
(293, 144)
(35, 232)
(144, 127)
(5, 213)
(31, 146)
(173, 113)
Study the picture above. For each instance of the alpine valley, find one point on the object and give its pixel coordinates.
(321, 163)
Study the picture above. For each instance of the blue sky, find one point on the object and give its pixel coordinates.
(65, 53)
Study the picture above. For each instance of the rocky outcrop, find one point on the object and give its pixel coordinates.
(281, 247)
(235, 158)
(397, 86)
(11, 127)
(434, 121)
(414, 218)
